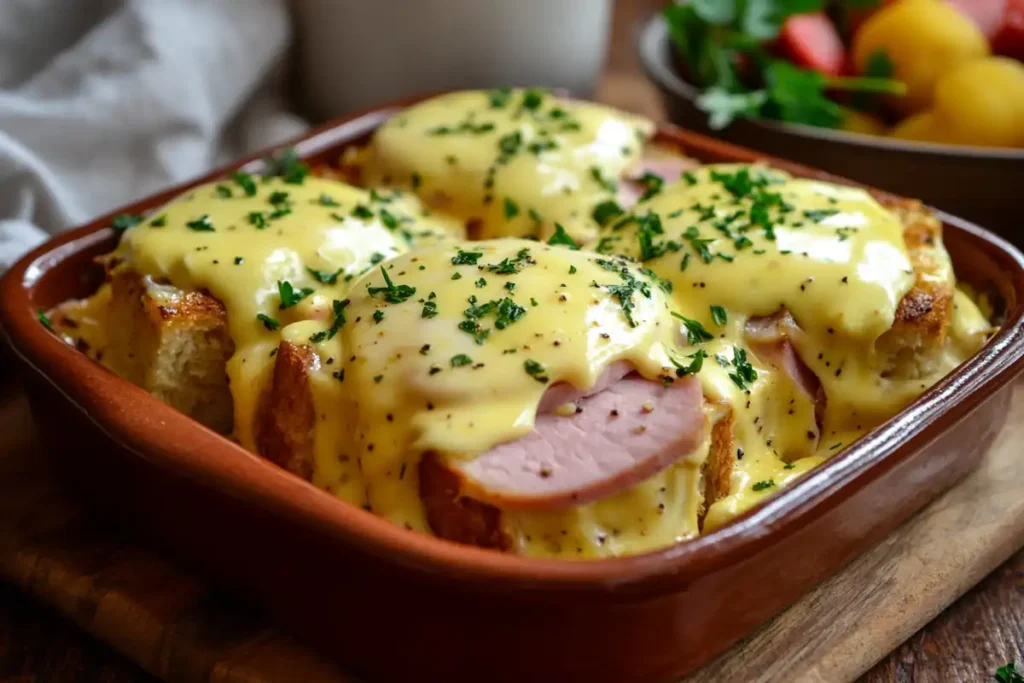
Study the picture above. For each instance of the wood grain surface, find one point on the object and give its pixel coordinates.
(172, 625)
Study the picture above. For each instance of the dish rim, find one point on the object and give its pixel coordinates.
(653, 41)
(156, 432)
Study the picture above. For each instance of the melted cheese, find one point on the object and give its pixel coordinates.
(512, 163)
(426, 343)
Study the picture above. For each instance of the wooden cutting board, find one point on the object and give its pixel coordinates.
(176, 627)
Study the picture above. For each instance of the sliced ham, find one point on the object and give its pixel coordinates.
(561, 393)
(769, 338)
(617, 438)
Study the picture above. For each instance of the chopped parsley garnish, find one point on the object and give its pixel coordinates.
(338, 319)
(764, 484)
(606, 211)
(508, 266)
(481, 283)
(745, 374)
(719, 315)
(1008, 674)
(324, 278)
(562, 238)
(45, 320)
(466, 258)
(509, 144)
(532, 99)
(499, 97)
(289, 295)
(649, 226)
(695, 332)
(378, 315)
(159, 222)
(624, 292)
(689, 177)
(835, 446)
(239, 260)
(461, 359)
(572, 270)
(457, 276)
(288, 166)
(818, 215)
(201, 224)
(535, 216)
(606, 245)
(327, 200)
(124, 221)
(739, 184)
(388, 219)
(510, 286)
(536, 371)
(429, 309)
(245, 181)
(268, 322)
(361, 211)
(607, 184)
(652, 185)
(508, 312)
(393, 294)
(258, 219)
(223, 191)
(463, 127)
(691, 368)
(511, 209)
(699, 244)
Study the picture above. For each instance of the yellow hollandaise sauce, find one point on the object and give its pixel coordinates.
(509, 162)
(496, 323)
(273, 252)
(742, 242)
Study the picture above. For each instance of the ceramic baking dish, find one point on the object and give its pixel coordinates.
(389, 603)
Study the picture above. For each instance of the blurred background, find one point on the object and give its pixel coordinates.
(106, 101)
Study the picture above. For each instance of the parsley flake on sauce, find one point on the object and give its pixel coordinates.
(745, 374)
(536, 371)
(201, 224)
(245, 181)
(719, 315)
(393, 294)
(695, 332)
(691, 368)
(268, 322)
(562, 238)
(460, 360)
(289, 295)
(323, 277)
(511, 209)
(466, 258)
(762, 485)
(338, 319)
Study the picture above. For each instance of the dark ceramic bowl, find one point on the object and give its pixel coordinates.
(397, 605)
(981, 184)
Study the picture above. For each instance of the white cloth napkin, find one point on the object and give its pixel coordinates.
(103, 102)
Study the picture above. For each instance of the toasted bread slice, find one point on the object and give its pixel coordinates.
(284, 428)
(173, 344)
(909, 348)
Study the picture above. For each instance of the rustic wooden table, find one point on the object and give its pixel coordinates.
(978, 633)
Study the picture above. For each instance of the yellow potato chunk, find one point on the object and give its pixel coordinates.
(982, 103)
(920, 127)
(924, 39)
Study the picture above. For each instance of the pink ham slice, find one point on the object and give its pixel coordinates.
(621, 436)
(669, 166)
(769, 338)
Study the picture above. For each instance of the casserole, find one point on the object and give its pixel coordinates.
(360, 587)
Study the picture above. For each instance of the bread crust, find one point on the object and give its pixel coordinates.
(287, 417)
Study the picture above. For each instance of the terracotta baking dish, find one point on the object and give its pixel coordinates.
(389, 603)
